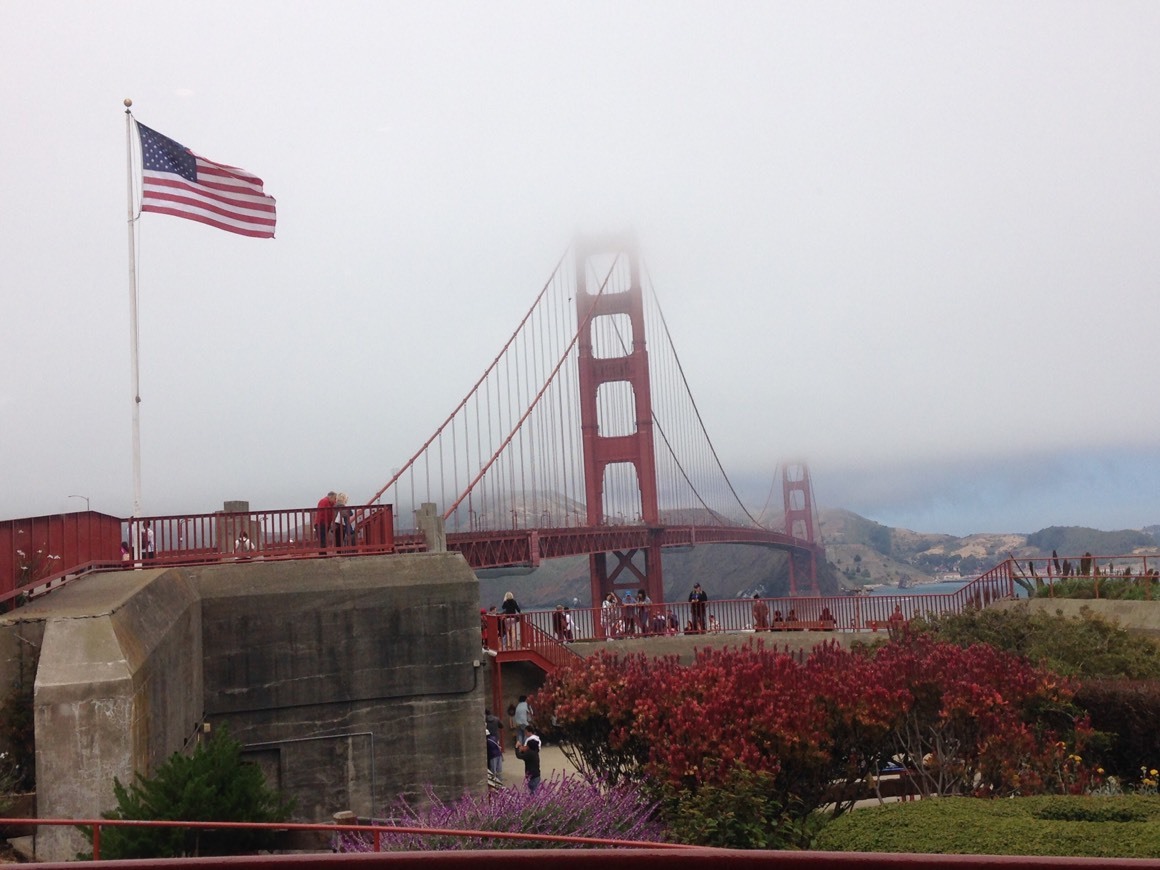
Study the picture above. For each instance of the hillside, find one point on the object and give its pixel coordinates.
(867, 552)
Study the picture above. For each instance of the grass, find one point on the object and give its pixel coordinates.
(1098, 827)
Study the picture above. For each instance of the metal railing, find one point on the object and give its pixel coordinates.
(222, 536)
(726, 616)
(292, 533)
(836, 612)
(644, 855)
(374, 832)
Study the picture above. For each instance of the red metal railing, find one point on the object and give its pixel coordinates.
(289, 533)
(833, 612)
(605, 854)
(814, 613)
(193, 539)
(374, 840)
(505, 634)
(1046, 571)
(496, 549)
(36, 547)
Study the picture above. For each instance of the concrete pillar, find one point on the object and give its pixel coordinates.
(84, 712)
(430, 524)
(229, 527)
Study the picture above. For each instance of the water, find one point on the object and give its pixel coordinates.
(936, 589)
(922, 589)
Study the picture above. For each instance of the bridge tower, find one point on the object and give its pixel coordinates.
(635, 568)
(797, 492)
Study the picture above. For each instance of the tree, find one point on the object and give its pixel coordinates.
(211, 785)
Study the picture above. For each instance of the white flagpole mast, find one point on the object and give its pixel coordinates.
(133, 327)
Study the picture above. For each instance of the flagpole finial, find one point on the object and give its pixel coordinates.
(128, 102)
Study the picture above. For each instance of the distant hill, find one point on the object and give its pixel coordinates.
(860, 552)
(1077, 539)
(855, 545)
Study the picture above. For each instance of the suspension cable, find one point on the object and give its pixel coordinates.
(696, 410)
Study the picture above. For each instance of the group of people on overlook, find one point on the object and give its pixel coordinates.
(636, 615)
(333, 521)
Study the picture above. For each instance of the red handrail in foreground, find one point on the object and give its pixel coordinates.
(639, 855)
(334, 828)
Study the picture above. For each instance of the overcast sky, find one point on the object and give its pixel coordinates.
(913, 243)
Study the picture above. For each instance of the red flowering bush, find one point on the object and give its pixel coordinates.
(974, 720)
(801, 727)
(982, 721)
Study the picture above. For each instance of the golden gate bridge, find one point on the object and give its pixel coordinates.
(581, 438)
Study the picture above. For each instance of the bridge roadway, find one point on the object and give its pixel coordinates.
(527, 547)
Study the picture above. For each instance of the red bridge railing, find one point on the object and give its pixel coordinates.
(40, 554)
(599, 853)
(369, 834)
(528, 547)
(818, 613)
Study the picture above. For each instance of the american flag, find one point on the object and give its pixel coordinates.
(178, 182)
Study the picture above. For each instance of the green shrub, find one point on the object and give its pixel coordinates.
(1085, 646)
(1127, 711)
(17, 732)
(1111, 588)
(1088, 811)
(1121, 827)
(211, 785)
(744, 812)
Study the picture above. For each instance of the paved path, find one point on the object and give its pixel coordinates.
(552, 760)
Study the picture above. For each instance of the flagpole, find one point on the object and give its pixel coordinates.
(136, 371)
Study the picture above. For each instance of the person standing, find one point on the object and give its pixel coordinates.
(644, 611)
(560, 624)
(610, 615)
(148, 544)
(629, 612)
(323, 517)
(697, 607)
(494, 755)
(511, 620)
(343, 521)
(760, 614)
(569, 635)
(528, 750)
(492, 722)
(522, 718)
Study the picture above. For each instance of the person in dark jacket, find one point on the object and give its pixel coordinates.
(511, 621)
(528, 750)
(697, 599)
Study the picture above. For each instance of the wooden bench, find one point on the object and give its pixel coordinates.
(805, 625)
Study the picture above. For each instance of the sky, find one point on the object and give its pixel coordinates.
(911, 243)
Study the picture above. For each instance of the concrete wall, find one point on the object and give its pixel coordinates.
(350, 681)
(345, 673)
